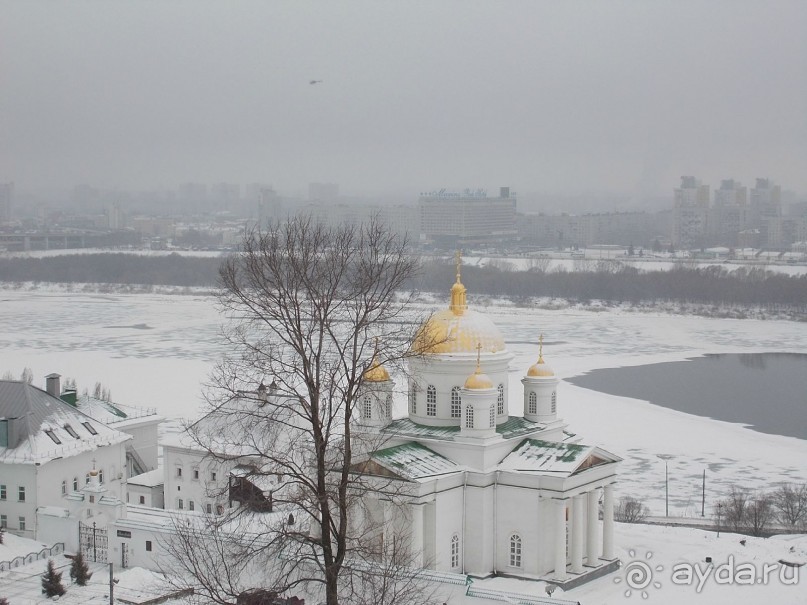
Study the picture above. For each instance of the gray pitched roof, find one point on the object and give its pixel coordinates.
(38, 426)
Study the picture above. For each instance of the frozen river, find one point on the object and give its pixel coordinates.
(157, 351)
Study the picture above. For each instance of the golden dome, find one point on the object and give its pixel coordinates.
(539, 369)
(376, 372)
(458, 329)
(478, 380)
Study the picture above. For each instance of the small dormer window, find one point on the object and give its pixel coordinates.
(71, 431)
(90, 428)
(53, 437)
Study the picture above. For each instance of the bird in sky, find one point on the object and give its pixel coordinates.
(315, 82)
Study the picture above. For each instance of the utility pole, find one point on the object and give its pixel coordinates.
(111, 587)
(703, 495)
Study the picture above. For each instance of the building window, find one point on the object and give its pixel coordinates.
(515, 550)
(431, 401)
(2, 492)
(53, 437)
(71, 431)
(413, 400)
(389, 407)
(500, 400)
(3, 521)
(196, 474)
(142, 499)
(21, 493)
(533, 407)
(100, 475)
(22, 523)
(148, 545)
(92, 499)
(469, 417)
(90, 428)
(179, 471)
(492, 415)
(455, 551)
(64, 487)
(209, 508)
(75, 484)
(213, 476)
(191, 505)
(456, 402)
(180, 504)
(554, 401)
(87, 479)
(367, 408)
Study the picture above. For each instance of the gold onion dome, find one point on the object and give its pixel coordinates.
(376, 372)
(478, 380)
(539, 369)
(458, 329)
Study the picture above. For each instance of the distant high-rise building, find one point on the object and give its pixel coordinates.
(323, 192)
(690, 213)
(225, 196)
(6, 199)
(467, 218)
(730, 212)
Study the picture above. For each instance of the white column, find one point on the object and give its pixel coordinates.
(577, 533)
(608, 522)
(417, 534)
(592, 558)
(560, 540)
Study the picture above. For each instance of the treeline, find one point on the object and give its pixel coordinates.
(618, 283)
(610, 282)
(170, 270)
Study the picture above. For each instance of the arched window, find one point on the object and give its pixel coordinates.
(455, 551)
(492, 415)
(456, 402)
(554, 402)
(515, 550)
(533, 407)
(469, 417)
(413, 400)
(388, 411)
(100, 475)
(64, 487)
(500, 400)
(431, 401)
(75, 484)
(367, 408)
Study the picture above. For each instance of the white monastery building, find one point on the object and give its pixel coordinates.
(488, 493)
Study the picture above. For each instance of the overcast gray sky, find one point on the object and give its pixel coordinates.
(543, 96)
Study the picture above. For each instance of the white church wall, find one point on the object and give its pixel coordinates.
(449, 521)
(479, 530)
(193, 477)
(13, 477)
(520, 512)
(53, 528)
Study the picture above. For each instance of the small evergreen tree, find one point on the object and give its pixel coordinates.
(52, 581)
(79, 570)
(3, 601)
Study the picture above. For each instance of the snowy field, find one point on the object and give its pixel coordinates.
(156, 350)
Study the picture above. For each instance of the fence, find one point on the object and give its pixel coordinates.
(45, 553)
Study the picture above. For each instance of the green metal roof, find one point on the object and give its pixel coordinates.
(414, 461)
(552, 458)
(515, 426)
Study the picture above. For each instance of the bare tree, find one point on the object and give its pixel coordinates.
(307, 302)
(630, 510)
(790, 503)
(759, 513)
(734, 508)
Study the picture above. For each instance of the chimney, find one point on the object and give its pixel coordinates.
(53, 385)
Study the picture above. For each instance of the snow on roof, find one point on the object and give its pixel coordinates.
(414, 461)
(109, 412)
(42, 427)
(552, 458)
(515, 426)
(149, 479)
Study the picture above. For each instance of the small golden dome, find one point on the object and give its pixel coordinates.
(376, 373)
(478, 380)
(539, 369)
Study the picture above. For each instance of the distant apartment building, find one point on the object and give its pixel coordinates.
(565, 230)
(6, 198)
(690, 214)
(467, 218)
(729, 213)
(154, 227)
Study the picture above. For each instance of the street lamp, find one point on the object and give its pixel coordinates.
(666, 458)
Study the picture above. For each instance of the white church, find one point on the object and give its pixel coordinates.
(489, 493)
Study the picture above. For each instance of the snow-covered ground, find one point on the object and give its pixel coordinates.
(157, 350)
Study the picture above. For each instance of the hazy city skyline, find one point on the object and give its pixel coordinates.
(575, 96)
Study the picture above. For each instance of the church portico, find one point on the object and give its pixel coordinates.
(492, 491)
